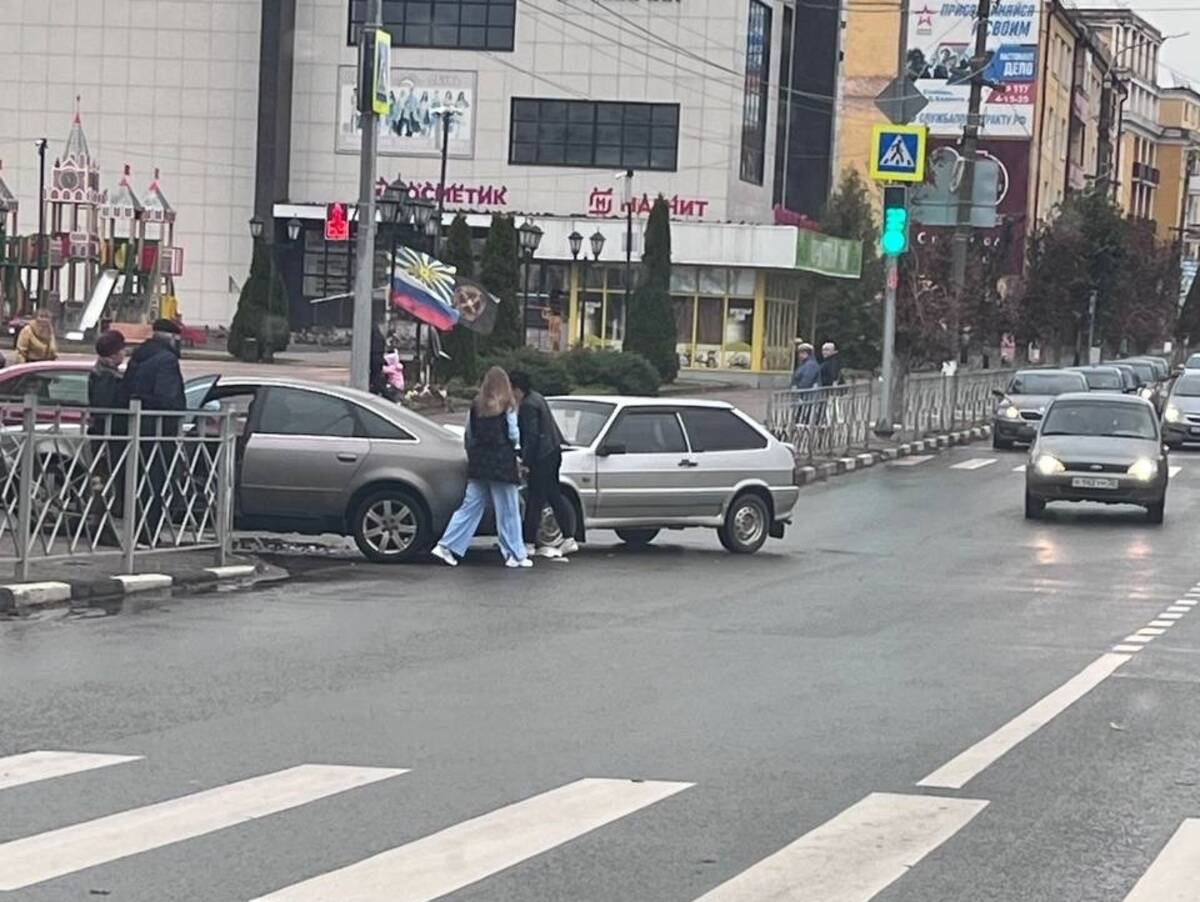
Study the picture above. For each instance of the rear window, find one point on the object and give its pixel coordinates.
(1046, 383)
(1193, 362)
(720, 430)
(57, 387)
(375, 426)
(1103, 379)
(1092, 419)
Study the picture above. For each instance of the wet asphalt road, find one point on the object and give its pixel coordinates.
(911, 613)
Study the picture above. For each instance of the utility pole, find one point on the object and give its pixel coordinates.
(441, 197)
(364, 272)
(41, 237)
(1091, 326)
(966, 185)
(628, 237)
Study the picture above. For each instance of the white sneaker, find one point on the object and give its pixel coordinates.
(444, 555)
(513, 563)
(548, 551)
(530, 550)
(569, 546)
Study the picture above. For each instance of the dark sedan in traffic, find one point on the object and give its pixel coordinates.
(1025, 401)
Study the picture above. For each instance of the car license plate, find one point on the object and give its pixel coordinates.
(1093, 482)
(1195, 430)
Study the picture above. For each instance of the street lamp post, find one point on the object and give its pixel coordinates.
(422, 215)
(576, 243)
(530, 237)
(41, 236)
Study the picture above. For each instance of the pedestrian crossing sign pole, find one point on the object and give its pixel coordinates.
(898, 153)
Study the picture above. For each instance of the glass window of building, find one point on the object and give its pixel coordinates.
(587, 133)
(756, 91)
(714, 318)
(603, 306)
(445, 24)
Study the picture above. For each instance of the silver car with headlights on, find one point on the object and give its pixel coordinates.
(641, 465)
(1025, 400)
(1103, 448)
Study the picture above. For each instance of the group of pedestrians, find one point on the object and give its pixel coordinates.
(814, 372)
(510, 433)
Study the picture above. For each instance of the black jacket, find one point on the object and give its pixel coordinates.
(540, 436)
(831, 370)
(490, 452)
(104, 393)
(153, 377)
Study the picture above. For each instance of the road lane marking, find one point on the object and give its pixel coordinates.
(1136, 638)
(1020, 469)
(1172, 472)
(1161, 622)
(1169, 615)
(975, 463)
(33, 766)
(465, 853)
(1150, 631)
(1179, 608)
(955, 773)
(1174, 875)
(1128, 649)
(912, 461)
(34, 859)
(854, 856)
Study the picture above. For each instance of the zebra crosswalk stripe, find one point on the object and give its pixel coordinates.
(1175, 874)
(31, 767)
(854, 856)
(975, 463)
(460, 855)
(24, 862)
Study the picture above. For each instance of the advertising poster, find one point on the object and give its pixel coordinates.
(941, 41)
(412, 127)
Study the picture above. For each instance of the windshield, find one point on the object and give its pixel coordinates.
(1090, 418)
(580, 421)
(1102, 379)
(1188, 387)
(1193, 362)
(1046, 383)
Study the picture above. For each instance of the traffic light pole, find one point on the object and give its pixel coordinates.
(884, 422)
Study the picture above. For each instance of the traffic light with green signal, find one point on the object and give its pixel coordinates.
(894, 238)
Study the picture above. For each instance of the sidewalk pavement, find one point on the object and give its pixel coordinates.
(86, 578)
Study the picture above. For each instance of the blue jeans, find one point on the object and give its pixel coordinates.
(464, 523)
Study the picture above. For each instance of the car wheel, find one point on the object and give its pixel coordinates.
(638, 538)
(1000, 444)
(1034, 507)
(747, 524)
(1156, 511)
(390, 526)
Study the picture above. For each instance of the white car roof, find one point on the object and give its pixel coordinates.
(641, 401)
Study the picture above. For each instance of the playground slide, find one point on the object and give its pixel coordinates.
(96, 303)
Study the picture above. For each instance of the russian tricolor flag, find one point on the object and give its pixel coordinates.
(423, 286)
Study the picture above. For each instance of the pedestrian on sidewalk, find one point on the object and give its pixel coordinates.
(36, 343)
(493, 440)
(831, 365)
(104, 393)
(806, 378)
(541, 450)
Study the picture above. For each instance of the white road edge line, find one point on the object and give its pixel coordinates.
(854, 856)
(438, 864)
(956, 772)
(1175, 873)
(44, 856)
(30, 767)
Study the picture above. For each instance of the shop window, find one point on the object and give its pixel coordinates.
(603, 307)
(444, 24)
(594, 134)
(737, 341)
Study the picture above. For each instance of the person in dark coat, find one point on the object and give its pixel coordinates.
(154, 378)
(831, 365)
(808, 372)
(104, 393)
(493, 440)
(541, 450)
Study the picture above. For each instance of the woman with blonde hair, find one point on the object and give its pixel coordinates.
(493, 440)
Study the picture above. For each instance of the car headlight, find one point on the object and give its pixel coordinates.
(1048, 465)
(1172, 414)
(1143, 469)
(1146, 392)
(1011, 413)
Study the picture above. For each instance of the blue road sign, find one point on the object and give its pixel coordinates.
(898, 153)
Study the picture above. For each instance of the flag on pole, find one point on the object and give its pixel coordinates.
(423, 286)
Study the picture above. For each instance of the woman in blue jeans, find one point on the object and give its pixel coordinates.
(493, 440)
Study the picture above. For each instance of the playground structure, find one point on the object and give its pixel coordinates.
(108, 259)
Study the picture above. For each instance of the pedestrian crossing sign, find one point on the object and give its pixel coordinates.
(898, 153)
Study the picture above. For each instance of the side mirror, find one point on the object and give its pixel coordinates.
(998, 394)
(610, 450)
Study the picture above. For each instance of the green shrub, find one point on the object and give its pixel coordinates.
(547, 372)
(624, 373)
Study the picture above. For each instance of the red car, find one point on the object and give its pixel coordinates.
(56, 383)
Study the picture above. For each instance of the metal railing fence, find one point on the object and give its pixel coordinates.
(834, 420)
(132, 482)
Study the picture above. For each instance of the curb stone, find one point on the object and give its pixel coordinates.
(18, 597)
(866, 460)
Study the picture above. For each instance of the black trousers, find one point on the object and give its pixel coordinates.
(543, 488)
